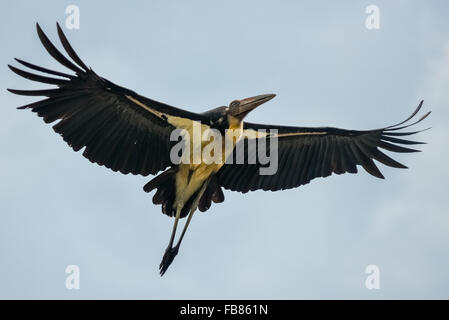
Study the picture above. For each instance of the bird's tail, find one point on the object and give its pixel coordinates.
(165, 195)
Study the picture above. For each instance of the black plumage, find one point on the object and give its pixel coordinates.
(308, 153)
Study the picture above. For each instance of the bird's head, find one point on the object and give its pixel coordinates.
(239, 109)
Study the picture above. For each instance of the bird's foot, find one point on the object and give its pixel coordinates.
(167, 259)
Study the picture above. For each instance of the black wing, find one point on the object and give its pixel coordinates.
(118, 128)
(308, 153)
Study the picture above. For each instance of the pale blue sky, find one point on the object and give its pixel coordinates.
(57, 208)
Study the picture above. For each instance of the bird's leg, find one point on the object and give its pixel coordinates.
(192, 210)
(171, 252)
(175, 225)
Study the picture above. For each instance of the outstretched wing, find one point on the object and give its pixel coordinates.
(117, 127)
(308, 153)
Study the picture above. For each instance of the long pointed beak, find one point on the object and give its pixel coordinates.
(248, 104)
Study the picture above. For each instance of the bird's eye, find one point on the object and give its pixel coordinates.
(235, 103)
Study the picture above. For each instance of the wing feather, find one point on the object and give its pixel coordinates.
(116, 127)
(307, 153)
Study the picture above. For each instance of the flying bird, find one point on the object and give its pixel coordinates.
(126, 132)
